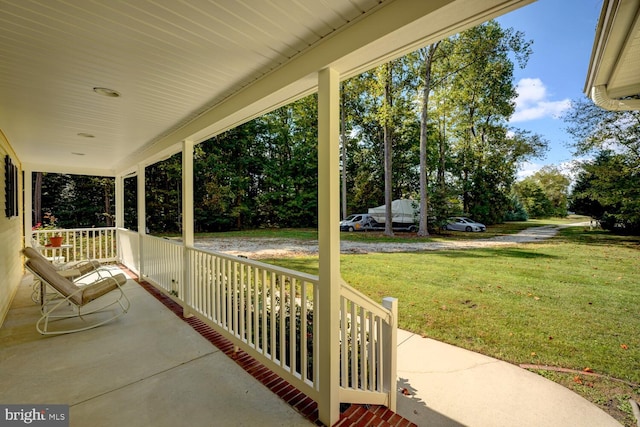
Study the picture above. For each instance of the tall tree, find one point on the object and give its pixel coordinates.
(387, 78)
(555, 185)
(289, 182)
(608, 189)
(75, 200)
(427, 55)
(482, 93)
(224, 189)
(163, 195)
(37, 198)
(131, 202)
(607, 186)
(365, 164)
(343, 156)
(533, 198)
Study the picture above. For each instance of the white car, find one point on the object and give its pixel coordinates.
(461, 223)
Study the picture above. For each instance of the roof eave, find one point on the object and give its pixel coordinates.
(616, 25)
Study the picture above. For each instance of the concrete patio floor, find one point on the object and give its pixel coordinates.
(147, 368)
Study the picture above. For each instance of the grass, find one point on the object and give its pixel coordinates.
(610, 395)
(570, 302)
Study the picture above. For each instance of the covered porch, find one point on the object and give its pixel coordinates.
(109, 89)
(268, 313)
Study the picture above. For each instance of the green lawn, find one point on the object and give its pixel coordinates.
(571, 302)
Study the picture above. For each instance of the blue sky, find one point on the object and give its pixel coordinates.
(563, 33)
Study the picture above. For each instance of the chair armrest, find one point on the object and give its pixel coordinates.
(101, 272)
(70, 273)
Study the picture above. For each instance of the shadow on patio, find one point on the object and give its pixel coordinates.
(146, 368)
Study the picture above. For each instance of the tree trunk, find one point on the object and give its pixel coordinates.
(424, 184)
(442, 151)
(107, 203)
(344, 158)
(388, 152)
(465, 193)
(37, 199)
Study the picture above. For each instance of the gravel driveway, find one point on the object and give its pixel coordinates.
(258, 248)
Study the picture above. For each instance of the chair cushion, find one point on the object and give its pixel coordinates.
(32, 253)
(102, 287)
(87, 267)
(83, 267)
(39, 265)
(48, 273)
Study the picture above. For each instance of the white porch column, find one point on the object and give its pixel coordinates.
(329, 244)
(28, 205)
(142, 217)
(187, 193)
(187, 221)
(119, 201)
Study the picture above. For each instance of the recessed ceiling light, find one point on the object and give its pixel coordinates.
(77, 154)
(86, 135)
(104, 91)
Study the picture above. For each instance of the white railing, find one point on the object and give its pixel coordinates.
(272, 314)
(368, 337)
(266, 310)
(129, 249)
(78, 244)
(163, 265)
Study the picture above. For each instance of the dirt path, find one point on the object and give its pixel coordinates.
(276, 248)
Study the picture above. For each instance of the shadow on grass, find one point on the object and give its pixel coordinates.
(514, 253)
(309, 264)
(579, 235)
(474, 253)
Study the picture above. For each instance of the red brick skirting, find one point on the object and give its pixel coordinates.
(351, 415)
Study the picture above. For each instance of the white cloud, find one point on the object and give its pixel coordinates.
(530, 91)
(533, 102)
(526, 169)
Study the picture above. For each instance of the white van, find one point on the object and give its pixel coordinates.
(358, 222)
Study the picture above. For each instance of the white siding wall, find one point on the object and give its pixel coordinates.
(11, 269)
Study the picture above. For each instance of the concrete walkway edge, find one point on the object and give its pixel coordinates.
(444, 385)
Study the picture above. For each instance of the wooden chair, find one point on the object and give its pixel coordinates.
(77, 296)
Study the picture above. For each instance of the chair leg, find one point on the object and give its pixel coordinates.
(42, 325)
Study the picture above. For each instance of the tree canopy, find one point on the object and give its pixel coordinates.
(608, 185)
(442, 140)
(544, 194)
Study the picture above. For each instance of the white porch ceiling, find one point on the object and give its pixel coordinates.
(186, 69)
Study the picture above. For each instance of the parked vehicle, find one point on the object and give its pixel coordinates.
(461, 223)
(357, 222)
(367, 222)
(404, 213)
